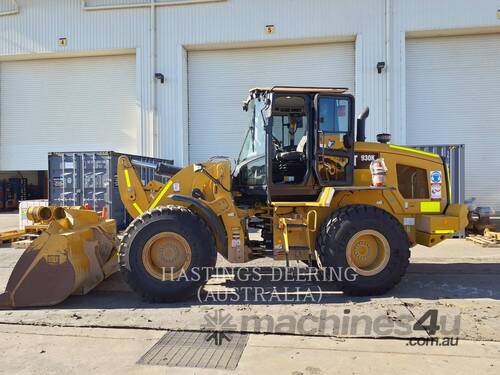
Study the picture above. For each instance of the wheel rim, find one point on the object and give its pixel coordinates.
(166, 255)
(368, 252)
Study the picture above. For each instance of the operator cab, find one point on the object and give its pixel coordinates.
(298, 141)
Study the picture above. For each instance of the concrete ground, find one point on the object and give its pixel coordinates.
(9, 220)
(457, 278)
(49, 350)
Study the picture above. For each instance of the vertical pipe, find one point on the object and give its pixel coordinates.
(388, 71)
(402, 89)
(63, 168)
(74, 176)
(152, 60)
(94, 177)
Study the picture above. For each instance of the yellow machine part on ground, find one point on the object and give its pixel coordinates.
(72, 256)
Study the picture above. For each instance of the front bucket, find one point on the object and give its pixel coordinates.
(71, 257)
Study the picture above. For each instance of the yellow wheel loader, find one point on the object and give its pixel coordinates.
(312, 190)
(316, 193)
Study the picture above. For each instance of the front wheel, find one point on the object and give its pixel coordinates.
(370, 243)
(167, 254)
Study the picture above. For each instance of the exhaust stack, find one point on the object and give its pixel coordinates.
(360, 126)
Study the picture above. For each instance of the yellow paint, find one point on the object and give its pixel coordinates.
(131, 189)
(137, 208)
(414, 150)
(430, 206)
(449, 182)
(324, 200)
(444, 231)
(127, 177)
(284, 225)
(161, 194)
(74, 243)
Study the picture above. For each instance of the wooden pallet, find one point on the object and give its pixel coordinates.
(484, 241)
(492, 234)
(11, 235)
(35, 228)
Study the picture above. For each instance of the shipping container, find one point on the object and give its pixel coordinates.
(15, 190)
(90, 178)
(2, 195)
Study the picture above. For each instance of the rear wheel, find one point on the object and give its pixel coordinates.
(167, 254)
(368, 242)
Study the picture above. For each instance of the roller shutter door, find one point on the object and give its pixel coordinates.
(219, 81)
(453, 96)
(70, 104)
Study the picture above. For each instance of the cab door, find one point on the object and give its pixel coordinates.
(334, 141)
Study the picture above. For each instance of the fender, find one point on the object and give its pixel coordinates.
(210, 218)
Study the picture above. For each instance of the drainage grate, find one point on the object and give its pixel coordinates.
(197, 349)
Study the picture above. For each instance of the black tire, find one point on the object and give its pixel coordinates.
(183, 222)
(342, 225)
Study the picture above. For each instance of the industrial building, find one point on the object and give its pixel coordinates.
(166, 78)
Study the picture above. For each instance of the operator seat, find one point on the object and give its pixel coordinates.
(291, 166)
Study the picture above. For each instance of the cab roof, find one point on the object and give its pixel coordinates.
(301, 90)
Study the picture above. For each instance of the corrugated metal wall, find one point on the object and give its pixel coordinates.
(39, 25)
(8, 7)
(240, 23)
(423, 18)
(35, 31)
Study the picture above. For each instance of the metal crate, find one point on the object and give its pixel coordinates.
(90, 178)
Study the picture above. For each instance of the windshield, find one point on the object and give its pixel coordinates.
(255, 139)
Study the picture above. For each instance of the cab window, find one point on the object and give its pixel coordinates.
(333, 115)
(334, 150)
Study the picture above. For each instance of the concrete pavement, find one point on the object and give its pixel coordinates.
(55, 350)
(9, 220)
(457, 278)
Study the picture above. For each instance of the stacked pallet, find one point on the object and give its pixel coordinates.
(489, 239)
(11, 236)
(19, 238)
